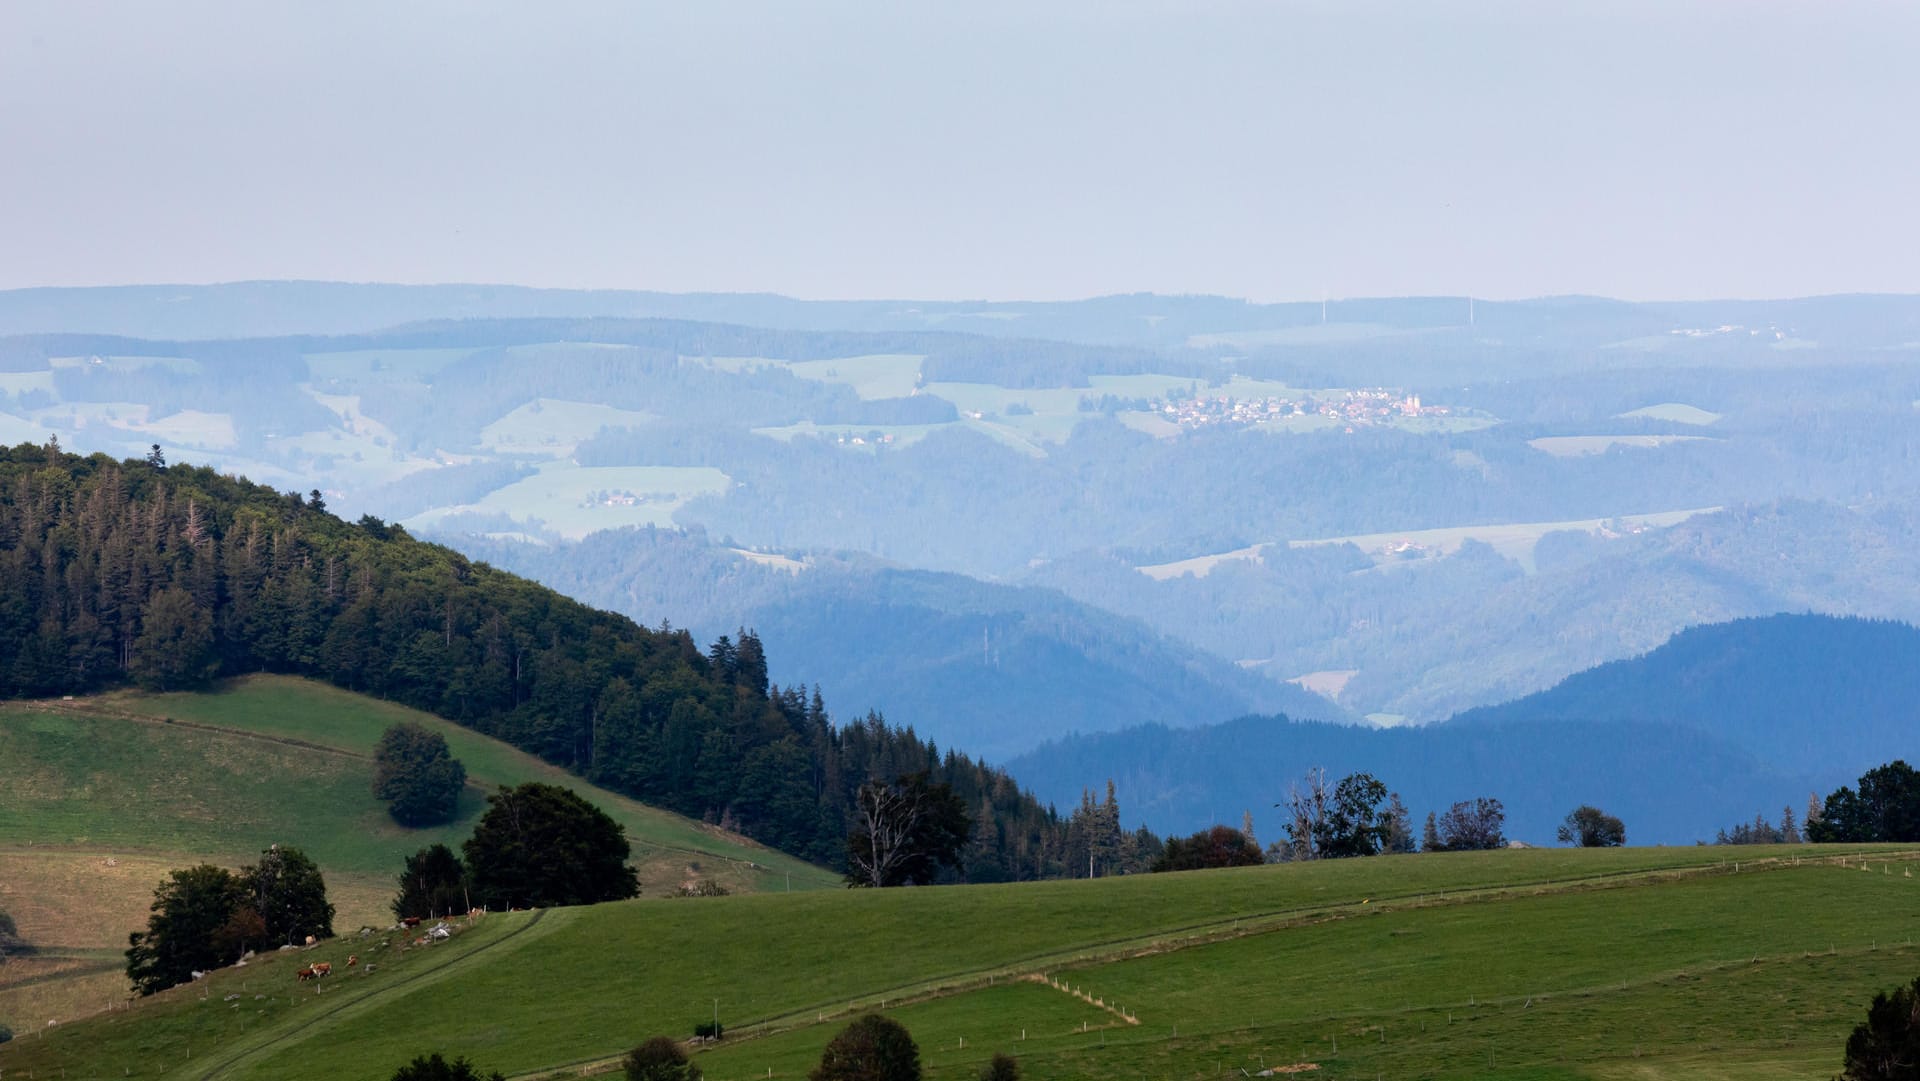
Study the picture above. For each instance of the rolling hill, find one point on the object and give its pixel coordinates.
(1645, 963)
(1722, 723)
(109, 793)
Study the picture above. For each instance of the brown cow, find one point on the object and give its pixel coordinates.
(411, 921)
(323, 968)
(353, 959)
(306, 974)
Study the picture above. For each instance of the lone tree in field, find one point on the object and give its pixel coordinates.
(659, 1059)
(873, 1048)
(436, 1068)
(1886, 1047)
(417, 776)
(1591, 827)
(433, 884)
(1001, 1067)
(541, 845)
(904, 832)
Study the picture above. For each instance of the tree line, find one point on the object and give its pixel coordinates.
(168, 577)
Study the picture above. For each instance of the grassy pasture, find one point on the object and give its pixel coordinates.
(879, 376)
(559, 495)
(1515, 541)
(1542, 963)
(382, 365)
(1574, 446)
(105, 796)
(1678, 412)
(554, 427)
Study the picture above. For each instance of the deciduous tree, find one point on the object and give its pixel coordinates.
(287, 890)
(659, 1059)
(1473, 825)
(433, 884)
(540, 845)
(872, 1048)
(189, 908)
(435, 1067)
(418, 777)
(905, 831)
(1590, 827)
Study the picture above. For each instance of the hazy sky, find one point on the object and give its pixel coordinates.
(1027, 150)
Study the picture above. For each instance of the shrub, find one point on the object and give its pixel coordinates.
(709, 1030)
(660, 1059)
(1002, 1067)
(873, 1048)
(436, 1068)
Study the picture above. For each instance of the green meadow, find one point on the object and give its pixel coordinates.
(105, 795)
(1643, 963)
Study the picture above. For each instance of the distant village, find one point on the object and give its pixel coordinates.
(1373, 405)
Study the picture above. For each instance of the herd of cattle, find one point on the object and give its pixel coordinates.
(439, 932)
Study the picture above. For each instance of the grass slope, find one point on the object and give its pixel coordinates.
(105, 795)
(1519, 964)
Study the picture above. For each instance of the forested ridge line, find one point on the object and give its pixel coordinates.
(169, 577)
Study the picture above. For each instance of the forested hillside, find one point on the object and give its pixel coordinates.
(971, 662)
(171, 577)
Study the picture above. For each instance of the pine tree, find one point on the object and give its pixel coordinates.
(1430, 836)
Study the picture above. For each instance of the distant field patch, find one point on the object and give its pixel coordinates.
(192, 428)
(124, 364)
(1515, 541)
(383, 365)
(22, 382)
(1576, 446)
(1329, 683)
(889, 375)
(574, 501)
(1198, 566)
(554, 427)
(771, 559)
(867, 436)
(1677, 412)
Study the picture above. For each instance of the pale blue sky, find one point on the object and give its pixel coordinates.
(1025, 150)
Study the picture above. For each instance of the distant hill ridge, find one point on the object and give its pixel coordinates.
(114, 572)
(1812, 691)
(1721, 723)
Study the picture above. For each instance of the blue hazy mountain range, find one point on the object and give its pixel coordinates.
(1724, 722)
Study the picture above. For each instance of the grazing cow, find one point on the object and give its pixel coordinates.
(353, 959)
(311, 940)
(323, 968)
(411, 921)
(306, 974)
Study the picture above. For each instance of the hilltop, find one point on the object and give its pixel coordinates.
(170, 576)
(108, 794)
(1646, 963)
